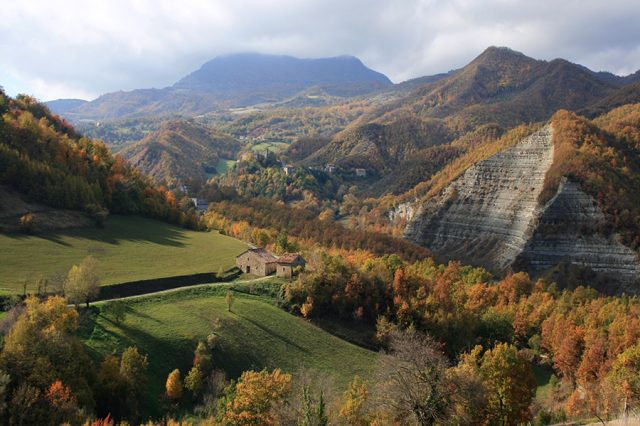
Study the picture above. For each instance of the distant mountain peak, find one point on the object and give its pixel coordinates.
(500, 54)
(246, 72)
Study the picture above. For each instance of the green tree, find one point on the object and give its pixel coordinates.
(194, 380)
(83, 283)
(133, 367)
(117, 310)
(202, 357)
(313, 413)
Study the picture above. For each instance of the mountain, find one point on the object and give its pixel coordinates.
(562, 196)
(256, 76)
(614, 79)
(629, 94)
(501, 88)
(235, 81)
(181, 151)
(62, 106)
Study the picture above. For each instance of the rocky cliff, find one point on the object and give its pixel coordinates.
(491, 217)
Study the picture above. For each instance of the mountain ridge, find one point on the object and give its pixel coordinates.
(237, 80)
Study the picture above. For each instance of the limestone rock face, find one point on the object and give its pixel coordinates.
(490, 216)
(487, 215)
(570, 230)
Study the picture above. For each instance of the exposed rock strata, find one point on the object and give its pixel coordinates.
(487, 215)
(490, 216)
(570, 230)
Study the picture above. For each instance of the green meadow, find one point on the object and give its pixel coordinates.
(129, 248)
(255, 335)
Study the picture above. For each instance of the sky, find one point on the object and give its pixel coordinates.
(84, 48)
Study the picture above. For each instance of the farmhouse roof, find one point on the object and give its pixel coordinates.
(288, 258)
(262, 253)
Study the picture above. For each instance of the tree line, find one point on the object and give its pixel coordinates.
(588, 341)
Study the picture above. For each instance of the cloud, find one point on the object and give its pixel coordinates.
(83, 49)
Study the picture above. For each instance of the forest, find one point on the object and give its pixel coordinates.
(43, 157)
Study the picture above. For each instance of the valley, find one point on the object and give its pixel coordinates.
(459, 248)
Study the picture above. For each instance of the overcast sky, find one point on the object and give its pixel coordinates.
(63, 49)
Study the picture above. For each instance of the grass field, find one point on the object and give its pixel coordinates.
(255, 335)
(128, 248)
(271, 146)
(224, 165)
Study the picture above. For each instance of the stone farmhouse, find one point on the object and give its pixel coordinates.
(258, 261)
(287, 263)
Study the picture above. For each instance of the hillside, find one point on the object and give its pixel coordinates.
(500, 87)
(629, 94)
(43, 158)
(255, 335)
(563, 195)
(127, 249)
(235, 81)
(181, 151)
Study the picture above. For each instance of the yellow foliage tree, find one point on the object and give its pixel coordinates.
(174, 385)
(353, 409)
(82, 284)
(255, 394)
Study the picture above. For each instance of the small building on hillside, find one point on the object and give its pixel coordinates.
(288, 169)
(201, 205)
(257, 261)
(361, 172)
(330, 168)
(287, 263)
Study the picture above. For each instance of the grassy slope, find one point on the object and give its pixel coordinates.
(129, 248)
(222, 167)
(255, 335)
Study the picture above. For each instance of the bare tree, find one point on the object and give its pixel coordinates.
(412, 379)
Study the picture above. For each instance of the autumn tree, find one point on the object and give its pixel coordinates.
(173, 386)
(353, 408)
(83, 283)
(28, 223)
(468, 390)
(229, 299)
(625, 378)
(62, 402)
(509, 383)
(41, 348)
(254, 396)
